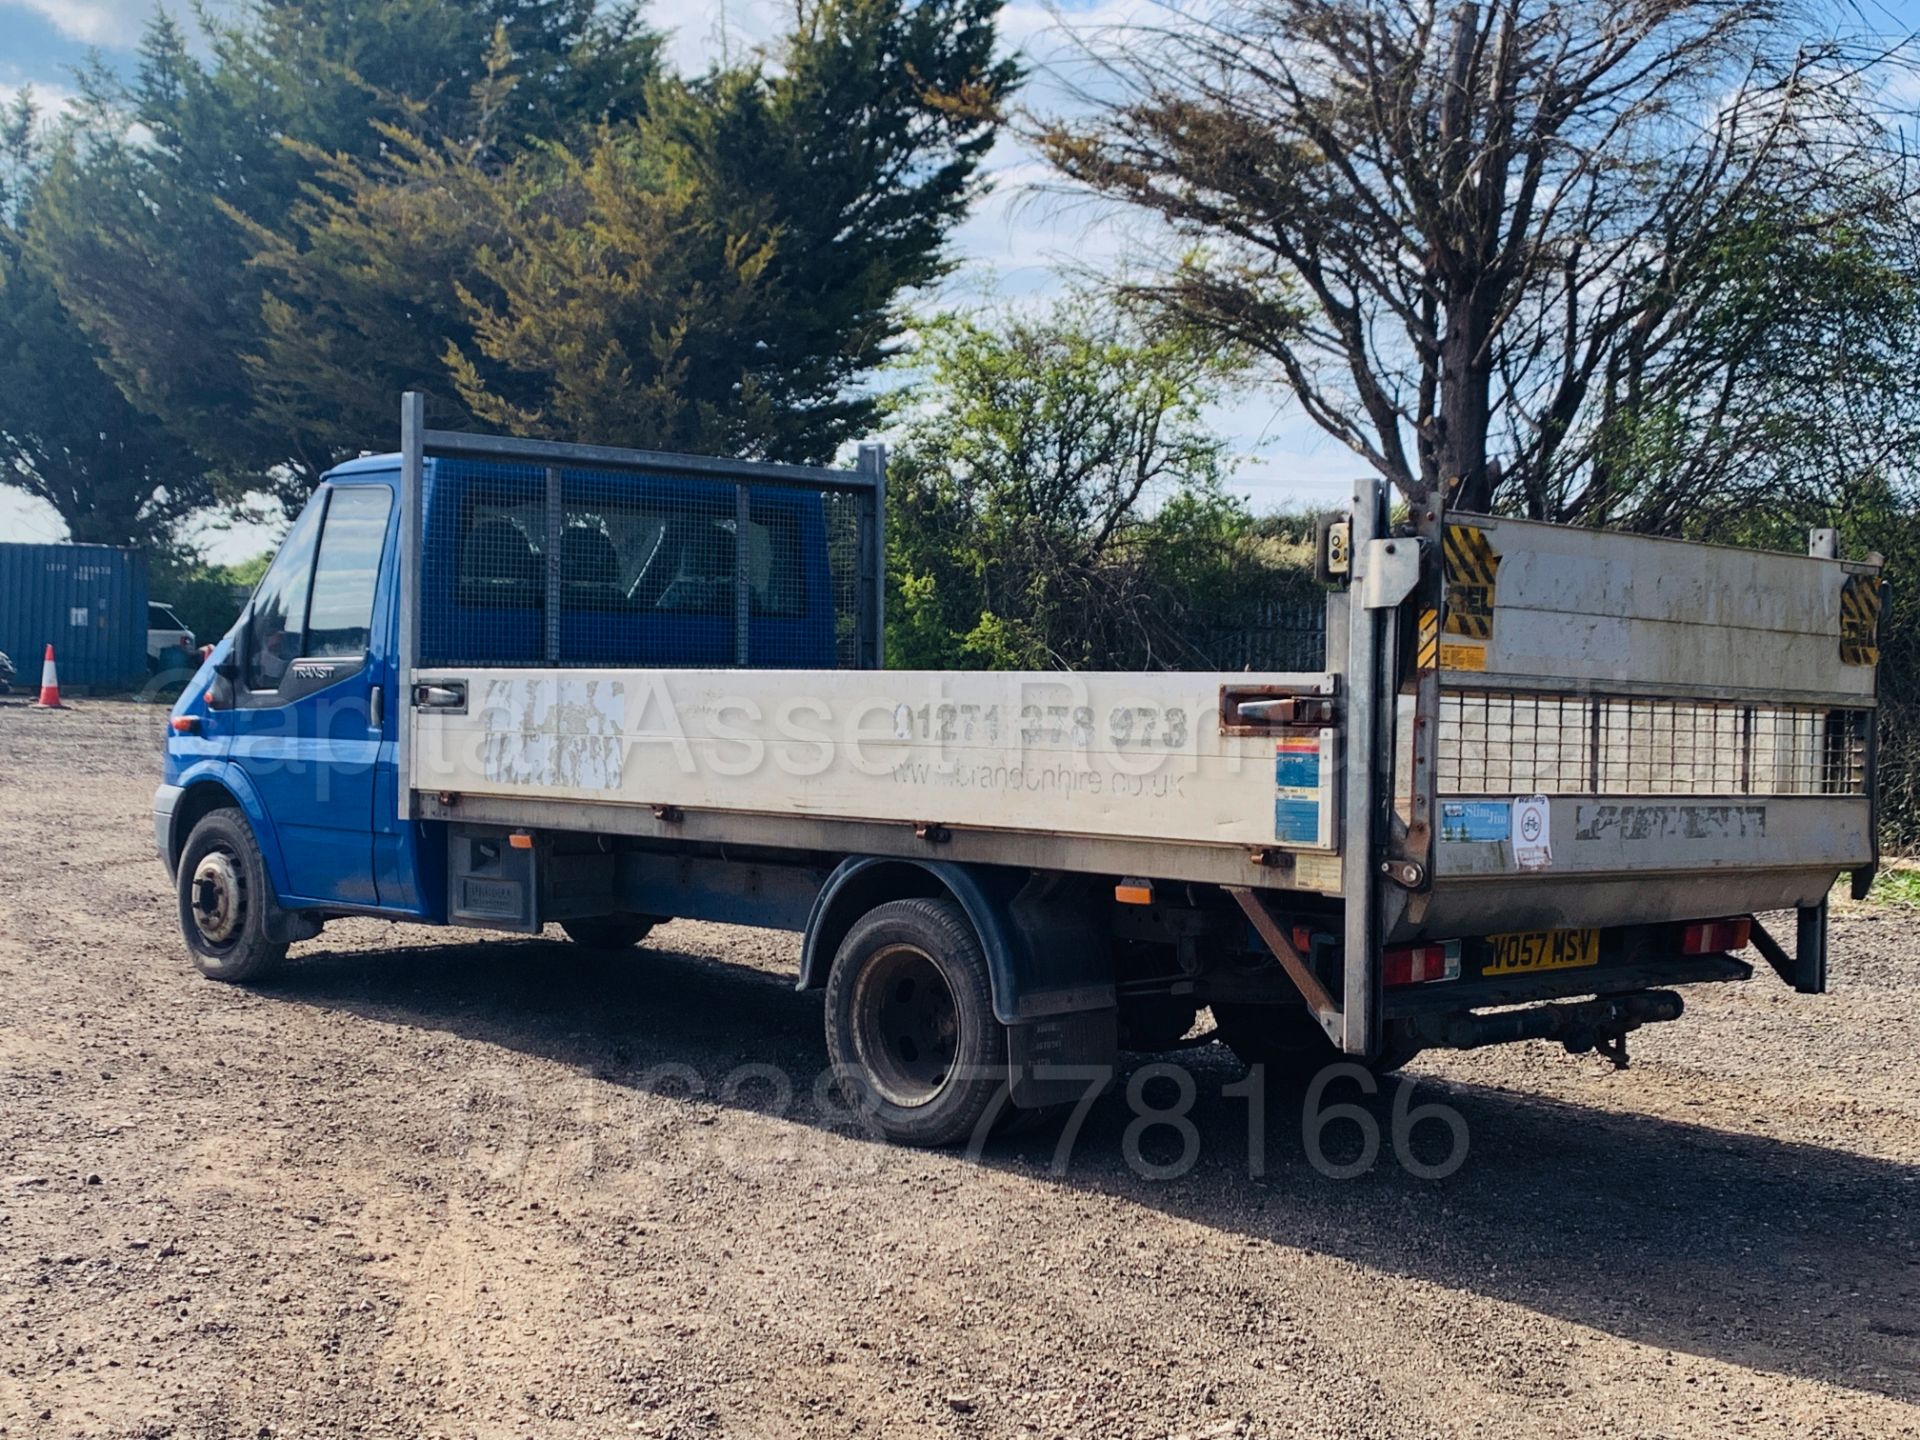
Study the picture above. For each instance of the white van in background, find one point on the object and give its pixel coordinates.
(170, 644)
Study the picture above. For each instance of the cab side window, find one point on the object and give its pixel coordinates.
(280, 605)
(317, 599)
(347, 572)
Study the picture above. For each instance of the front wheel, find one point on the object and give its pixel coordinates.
(910, 1023)
(226, 900)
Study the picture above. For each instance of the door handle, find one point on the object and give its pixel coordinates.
(1287, 710)
(441, 695)
(1268, 709)
(376, 707)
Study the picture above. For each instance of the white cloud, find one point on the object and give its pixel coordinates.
(50, 100)
(703, 31)
(29, 519)
(113, 23)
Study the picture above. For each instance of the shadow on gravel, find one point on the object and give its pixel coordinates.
(1782, 1256)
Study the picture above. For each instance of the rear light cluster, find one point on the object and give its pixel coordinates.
(1419, 964)
(1712, 937)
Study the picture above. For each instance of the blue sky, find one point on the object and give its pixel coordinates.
(1014, 248)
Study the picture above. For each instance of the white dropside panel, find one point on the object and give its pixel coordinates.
(1556, 607)
(1138, 756)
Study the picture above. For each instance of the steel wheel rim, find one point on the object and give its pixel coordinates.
(906, 1031)
(217, 898)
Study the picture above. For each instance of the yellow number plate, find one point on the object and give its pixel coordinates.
(1543, 950)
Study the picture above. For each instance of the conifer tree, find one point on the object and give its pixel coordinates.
(67, 435)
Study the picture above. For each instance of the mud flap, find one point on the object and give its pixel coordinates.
(491, 883)
(1058, 1059)
(1063, 1032)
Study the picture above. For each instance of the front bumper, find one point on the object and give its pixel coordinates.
(166, 800)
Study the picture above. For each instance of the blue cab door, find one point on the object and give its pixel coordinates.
(306, 730)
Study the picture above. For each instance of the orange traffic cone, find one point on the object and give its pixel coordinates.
(49, 685)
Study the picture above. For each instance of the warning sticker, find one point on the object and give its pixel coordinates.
(1296, 762)
(1532, 832)
(1429, 640)
(1317, 872)
(1471, 566)
(1296, 819)
(1860, 621)
(1298, 790)
(1463, 655)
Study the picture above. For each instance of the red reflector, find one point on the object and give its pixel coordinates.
(1711, 937)
(1419, 964)
(186, 724)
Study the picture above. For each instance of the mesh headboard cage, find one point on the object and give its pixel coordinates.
(704, 564)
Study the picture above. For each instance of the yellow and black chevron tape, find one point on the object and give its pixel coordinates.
(1471, 566)
(1429, 639)
(1860, 621)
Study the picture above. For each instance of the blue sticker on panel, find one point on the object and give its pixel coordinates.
(1476, 821)
(1296, 762)
(1296, 822)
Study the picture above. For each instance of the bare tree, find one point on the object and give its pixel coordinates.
(1483, 242)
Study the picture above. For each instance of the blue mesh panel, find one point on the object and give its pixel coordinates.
(630, 568)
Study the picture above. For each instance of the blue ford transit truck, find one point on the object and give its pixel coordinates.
(1544, 779)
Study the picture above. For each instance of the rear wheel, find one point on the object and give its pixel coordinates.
(910, 1023)
(226, 901)
(1289, 1042)
(609, 932)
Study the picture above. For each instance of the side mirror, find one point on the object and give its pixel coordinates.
(226, 672)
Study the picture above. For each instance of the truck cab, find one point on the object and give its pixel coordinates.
(287, 721)
(293, 719)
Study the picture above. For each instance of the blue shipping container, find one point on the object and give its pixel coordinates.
(88, 601)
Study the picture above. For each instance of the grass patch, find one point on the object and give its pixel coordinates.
(1896, 887)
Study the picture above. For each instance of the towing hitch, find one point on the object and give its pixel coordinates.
(1601, 1025)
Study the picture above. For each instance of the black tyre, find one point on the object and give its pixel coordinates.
(910, 1023)
(1290, 1043)
(227, 907)
(609, 932)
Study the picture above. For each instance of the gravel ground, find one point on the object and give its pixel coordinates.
(431, 1184)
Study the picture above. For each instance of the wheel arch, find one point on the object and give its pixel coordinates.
(1018, 916)
(213, 789)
